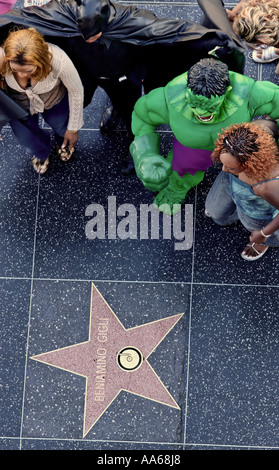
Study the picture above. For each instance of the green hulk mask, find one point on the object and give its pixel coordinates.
(197, 106)
(206, 110)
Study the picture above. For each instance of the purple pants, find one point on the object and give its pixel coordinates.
(188, 160)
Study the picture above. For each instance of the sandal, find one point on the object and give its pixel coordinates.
(268, 55)
(40, 166)
(253, 258)
(65, 153)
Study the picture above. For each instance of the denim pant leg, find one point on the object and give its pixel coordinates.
(31, 136)
(219, 204)
(57, 118)
(255, 224)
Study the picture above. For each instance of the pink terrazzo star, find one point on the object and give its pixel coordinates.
(6, 5)
(114, 359)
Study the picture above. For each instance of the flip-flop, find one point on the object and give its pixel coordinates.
(254, 258)
(268, 55)
(65, 153)
(40, 166)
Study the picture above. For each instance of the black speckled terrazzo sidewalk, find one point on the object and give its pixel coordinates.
(205, 320)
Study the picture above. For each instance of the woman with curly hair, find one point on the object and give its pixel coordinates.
(247, 189)
(42, 79)
(257, 23)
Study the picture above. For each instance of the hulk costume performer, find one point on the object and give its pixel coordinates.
(197, 106)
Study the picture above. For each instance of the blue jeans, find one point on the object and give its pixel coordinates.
(36, 140)
(222, 209)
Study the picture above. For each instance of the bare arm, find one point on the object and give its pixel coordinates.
(70, 77)
(1, 62)
(270, 193)
(232, 13)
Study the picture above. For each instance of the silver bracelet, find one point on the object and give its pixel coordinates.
(265, 236)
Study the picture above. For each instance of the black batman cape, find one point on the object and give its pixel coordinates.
(168, 47)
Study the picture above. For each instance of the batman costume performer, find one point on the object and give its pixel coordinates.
(135, 47)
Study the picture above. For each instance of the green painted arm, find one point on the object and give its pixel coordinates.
(152, 169)
(264, 100)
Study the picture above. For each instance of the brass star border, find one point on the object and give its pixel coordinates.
(113, 359)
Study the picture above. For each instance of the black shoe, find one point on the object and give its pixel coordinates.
(127, 167)
(109, 120)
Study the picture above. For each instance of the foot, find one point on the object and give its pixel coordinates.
(253, 251)
(109, 120)
(169, 200)
(65, 153)
(40, 166)
(265, 55)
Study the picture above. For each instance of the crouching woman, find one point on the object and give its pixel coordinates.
(247, 189)
(42, 79)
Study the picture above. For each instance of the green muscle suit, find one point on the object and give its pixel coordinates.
(195, 122)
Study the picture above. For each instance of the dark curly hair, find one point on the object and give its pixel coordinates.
(252, 145)
(208, 77)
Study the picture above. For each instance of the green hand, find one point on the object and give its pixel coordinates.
(154, 172)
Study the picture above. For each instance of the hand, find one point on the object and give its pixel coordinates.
(257, 237)
(70, 139)
(231, 15)
(154, 172)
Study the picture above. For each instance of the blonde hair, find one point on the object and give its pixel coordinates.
(258, 21)
(27, 46)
